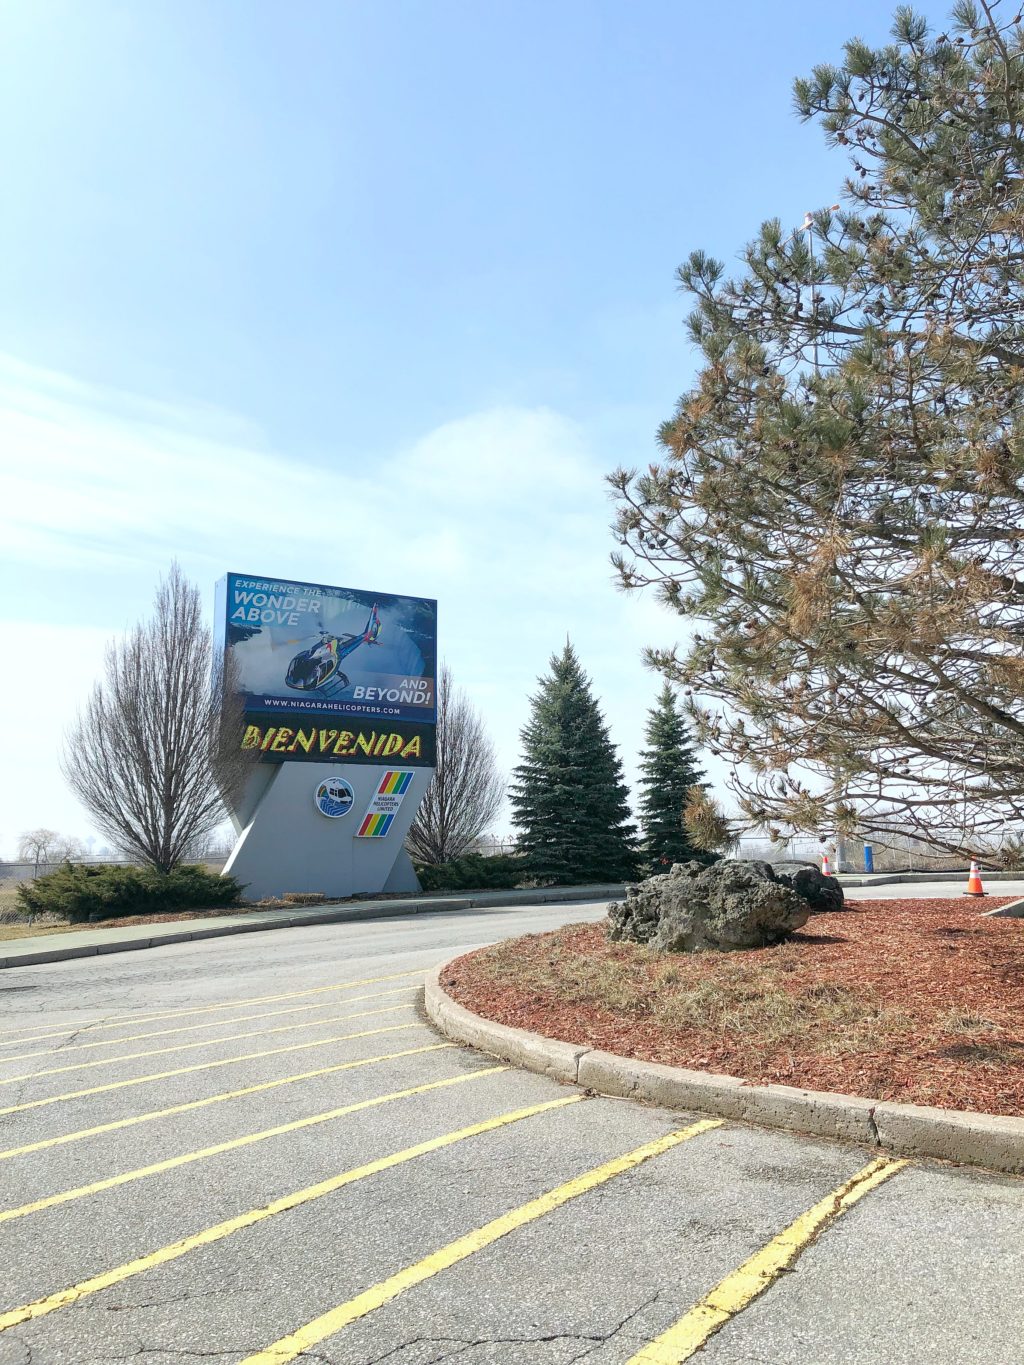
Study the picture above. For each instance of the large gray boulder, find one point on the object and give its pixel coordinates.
(731, 904)
(823, 893)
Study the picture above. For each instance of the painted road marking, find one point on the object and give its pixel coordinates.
(171, 1163)
(196, 1028)
(757, 1274)
(287, 1348)
(102, 1024)
(206, 1042)
(100, 1128)
(40, 1307)
(203, 1066)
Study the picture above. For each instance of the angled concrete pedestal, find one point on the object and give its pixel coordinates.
(285, 844)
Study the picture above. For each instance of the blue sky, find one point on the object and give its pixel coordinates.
(369, 294)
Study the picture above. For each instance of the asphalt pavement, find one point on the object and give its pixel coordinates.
(924, 889)
(255, 1150)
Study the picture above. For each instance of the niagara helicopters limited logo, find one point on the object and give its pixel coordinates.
(333, 797)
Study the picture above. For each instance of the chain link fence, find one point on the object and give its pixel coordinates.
(889, 853)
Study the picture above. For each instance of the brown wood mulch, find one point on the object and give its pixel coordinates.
(920, 1001)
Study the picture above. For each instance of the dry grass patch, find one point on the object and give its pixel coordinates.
(18, 926)
(25, 930)
(748, 1000)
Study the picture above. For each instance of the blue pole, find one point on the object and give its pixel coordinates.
(869, 858)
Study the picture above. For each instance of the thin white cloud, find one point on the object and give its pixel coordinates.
(502, 515)
(93, 475)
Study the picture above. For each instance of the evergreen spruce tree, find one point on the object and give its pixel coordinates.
(668, 768)
(568, 796)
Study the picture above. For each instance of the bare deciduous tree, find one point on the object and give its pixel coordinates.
(155, 752)
(467, 789)
(47, 846)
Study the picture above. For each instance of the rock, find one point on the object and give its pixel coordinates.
(731, 904)
(636, 919)
(823, 893)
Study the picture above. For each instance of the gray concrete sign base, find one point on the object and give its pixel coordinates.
(987, 1140)
(286, 844)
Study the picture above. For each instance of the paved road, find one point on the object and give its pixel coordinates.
(253, 1149)
(945, 890)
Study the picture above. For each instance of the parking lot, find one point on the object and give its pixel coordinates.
(255, 1149)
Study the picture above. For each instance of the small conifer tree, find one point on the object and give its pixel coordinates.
(568, 796)
(668, 769)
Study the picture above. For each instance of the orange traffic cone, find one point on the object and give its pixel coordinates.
(826, 871)
(974, 886)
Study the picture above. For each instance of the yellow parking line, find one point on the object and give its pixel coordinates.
(287, 1348)
(206, 1042)
(202, 1066)
(197, 1028)
(757, 1274)
(171, 1163)
(101, 1024)
(43, 1143)
(75, 1293)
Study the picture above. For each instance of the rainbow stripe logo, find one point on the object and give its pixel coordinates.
(375, 826)
(381, 812)
(394, 784)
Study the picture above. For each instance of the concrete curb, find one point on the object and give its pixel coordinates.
(370, 910)
(907, 1130)
(1015, 910)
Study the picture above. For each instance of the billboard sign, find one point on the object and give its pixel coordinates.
(329, 673)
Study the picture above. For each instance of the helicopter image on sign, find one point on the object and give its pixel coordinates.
(318, 669)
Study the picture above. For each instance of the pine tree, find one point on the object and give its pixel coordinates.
(568, 796)
(668, 768)
(839, 503)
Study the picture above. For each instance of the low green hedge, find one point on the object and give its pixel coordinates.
(472, 872)
(80, 891)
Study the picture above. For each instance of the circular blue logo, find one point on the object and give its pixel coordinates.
(333, 797)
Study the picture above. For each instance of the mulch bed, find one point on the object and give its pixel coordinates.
(918, 1001)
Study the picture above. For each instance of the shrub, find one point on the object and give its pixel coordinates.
(472, 872)
(79, 891)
